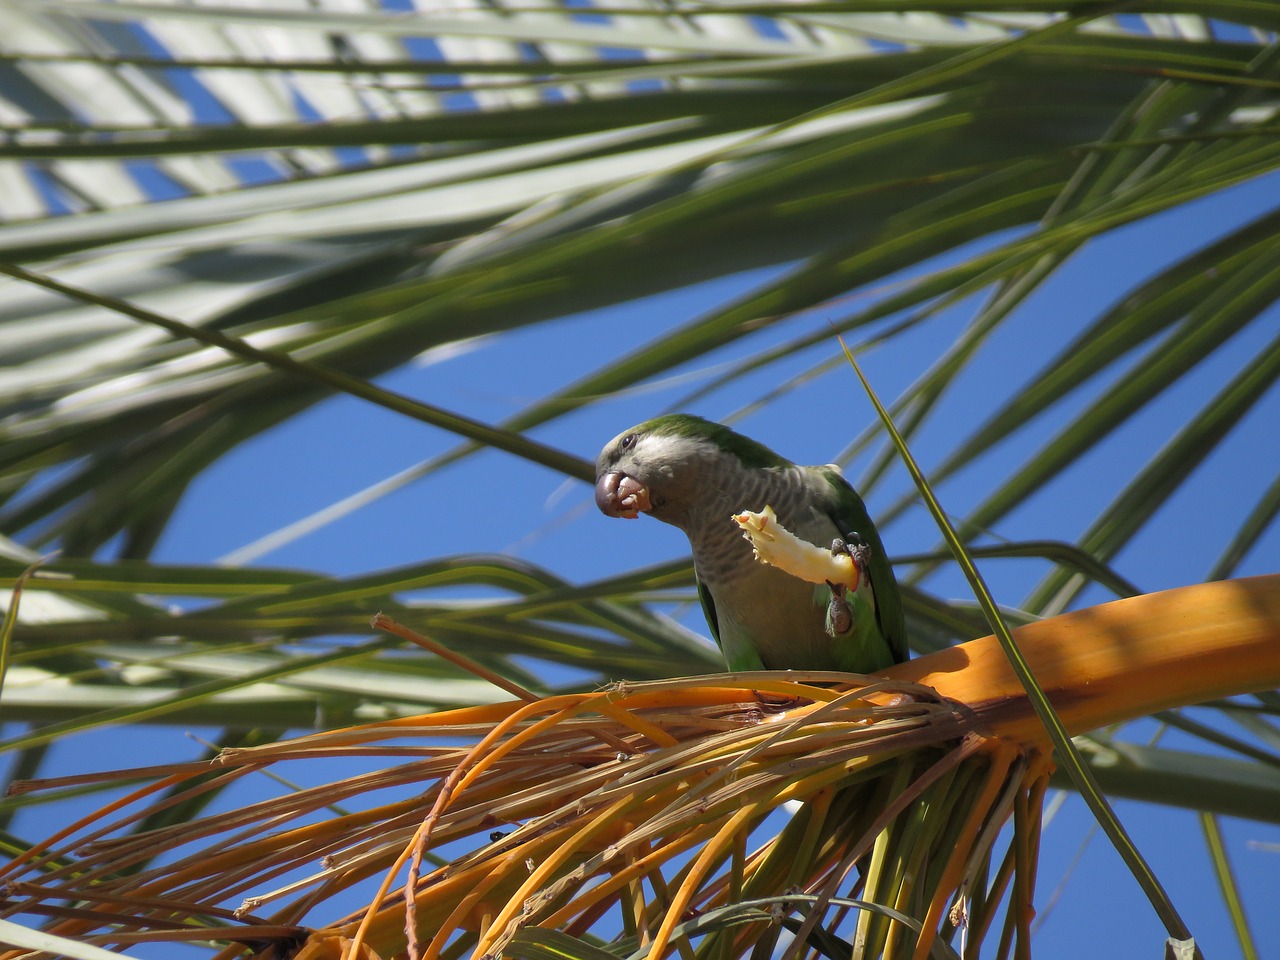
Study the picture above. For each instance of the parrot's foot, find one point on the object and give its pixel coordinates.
(839, 614)
(839, 619)
(854, 547)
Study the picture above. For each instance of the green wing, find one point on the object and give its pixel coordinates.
(709, 610)
(849, 514)
(739, 650)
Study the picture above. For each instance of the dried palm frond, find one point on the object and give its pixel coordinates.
(653, 816)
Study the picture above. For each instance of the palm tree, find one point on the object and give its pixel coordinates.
(215, 218)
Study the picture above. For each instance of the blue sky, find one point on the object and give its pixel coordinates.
(343, 445)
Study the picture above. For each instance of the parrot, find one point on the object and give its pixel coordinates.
(696, 474)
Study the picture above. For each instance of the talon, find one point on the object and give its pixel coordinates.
(859, 550)
(855, 548)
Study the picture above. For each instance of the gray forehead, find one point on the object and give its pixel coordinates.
(665, 446)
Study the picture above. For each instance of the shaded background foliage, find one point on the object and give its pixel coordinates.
(1054, 232)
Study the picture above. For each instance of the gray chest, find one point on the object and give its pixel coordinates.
(780, 616)
(722, 556)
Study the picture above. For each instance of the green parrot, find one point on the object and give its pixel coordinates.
(696, 475)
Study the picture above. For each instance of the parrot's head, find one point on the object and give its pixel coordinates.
(670, 466)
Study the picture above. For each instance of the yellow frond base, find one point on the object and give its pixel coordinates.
(1119, 660)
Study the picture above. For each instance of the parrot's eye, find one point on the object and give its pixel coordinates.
(628, 441)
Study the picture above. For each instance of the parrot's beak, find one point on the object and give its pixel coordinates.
(618, 495)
